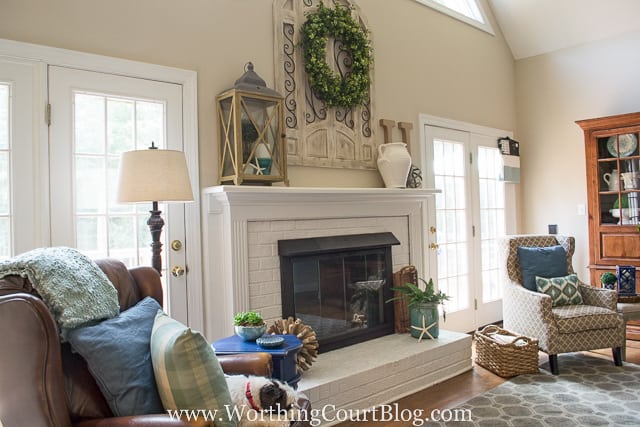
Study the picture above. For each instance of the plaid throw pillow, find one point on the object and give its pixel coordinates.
(188, 374)
(562, 290)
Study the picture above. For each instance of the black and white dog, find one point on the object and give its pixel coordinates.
(264, 402)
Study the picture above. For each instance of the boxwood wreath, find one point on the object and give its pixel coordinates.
(328, 86)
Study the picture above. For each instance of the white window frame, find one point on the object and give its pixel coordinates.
(91, 62)
(484, 26)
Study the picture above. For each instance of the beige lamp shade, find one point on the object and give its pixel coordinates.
(154, 175)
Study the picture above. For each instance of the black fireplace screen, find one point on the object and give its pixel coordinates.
(338, 286)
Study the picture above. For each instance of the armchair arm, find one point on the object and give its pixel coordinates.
(599, 297)
(31, 381)
(258, 364)
(527, 312)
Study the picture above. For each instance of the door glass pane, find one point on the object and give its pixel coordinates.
(89, 123)
(104, 127)
(451, 222)
(492, 220)
(5, 174)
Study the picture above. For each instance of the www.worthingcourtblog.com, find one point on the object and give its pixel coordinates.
(328, 414)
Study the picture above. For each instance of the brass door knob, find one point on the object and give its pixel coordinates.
(177, 271)
(176, 245)
(434, 246)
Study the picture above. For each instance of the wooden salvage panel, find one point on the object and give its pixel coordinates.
(317, 135)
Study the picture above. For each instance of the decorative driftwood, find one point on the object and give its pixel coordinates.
(309, 351)
(405, 275)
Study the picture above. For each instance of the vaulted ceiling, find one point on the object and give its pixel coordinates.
(534, 27)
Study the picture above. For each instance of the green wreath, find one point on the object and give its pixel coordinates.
(328, 86)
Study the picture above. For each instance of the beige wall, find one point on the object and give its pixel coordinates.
(425, 62)
(552, 92)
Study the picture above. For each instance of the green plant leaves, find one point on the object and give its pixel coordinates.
(248, 318)
(334, 90)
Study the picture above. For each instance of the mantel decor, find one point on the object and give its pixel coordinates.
(250, 122)
(323, 60)
(336, 90)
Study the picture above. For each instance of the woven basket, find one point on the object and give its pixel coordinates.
(520, 356)
(405, 275)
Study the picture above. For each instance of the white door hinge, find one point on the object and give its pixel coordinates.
(475, 303)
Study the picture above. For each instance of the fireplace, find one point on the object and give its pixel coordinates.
(339, 286)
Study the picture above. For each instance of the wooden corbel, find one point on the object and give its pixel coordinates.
(387, 127)
(405, 129)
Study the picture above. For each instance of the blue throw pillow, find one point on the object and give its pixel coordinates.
(545, 262)
(118, 355)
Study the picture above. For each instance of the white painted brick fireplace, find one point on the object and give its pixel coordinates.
(244, 223)
(242, 272)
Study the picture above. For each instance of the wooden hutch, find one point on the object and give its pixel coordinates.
(613, 191)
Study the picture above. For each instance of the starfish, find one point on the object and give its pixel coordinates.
(256, 166)
(425, 329)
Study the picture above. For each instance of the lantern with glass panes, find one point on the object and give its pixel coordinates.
(250, 119)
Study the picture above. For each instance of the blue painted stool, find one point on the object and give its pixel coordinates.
(285, 367)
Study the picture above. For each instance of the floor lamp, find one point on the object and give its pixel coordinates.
(154, 176)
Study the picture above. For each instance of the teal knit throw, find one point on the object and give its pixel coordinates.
(73, 287)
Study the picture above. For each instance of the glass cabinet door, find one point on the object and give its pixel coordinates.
(619, 179)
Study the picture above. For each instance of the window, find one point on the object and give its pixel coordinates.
(5, 169)
(105, 127)
(467, 11)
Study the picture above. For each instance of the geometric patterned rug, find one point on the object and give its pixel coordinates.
(589, 391)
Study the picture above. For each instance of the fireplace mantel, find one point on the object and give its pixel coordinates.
(253, 195)
(238, 280)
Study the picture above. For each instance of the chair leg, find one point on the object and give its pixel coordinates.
(553, 364)
(617, 355)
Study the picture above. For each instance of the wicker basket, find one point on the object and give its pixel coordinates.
(506, 359)
(405, 275)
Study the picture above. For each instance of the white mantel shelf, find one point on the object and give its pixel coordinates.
(243, 223)
(261, 194)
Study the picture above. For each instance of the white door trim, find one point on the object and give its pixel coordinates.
(188, 79)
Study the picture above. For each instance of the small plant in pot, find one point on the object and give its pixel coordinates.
(608, 280)
(249, 325)
(423, 308)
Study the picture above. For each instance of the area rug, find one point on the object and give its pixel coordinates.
(589, 391)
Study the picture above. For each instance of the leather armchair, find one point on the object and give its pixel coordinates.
(592, 325)
(42, 383)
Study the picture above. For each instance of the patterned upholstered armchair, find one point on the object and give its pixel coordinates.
(592, 325)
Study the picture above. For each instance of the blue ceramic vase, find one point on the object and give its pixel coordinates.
(428, 312)
(250, 333)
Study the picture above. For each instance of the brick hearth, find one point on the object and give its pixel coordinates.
(383, 370)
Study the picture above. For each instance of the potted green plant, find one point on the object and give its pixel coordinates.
(423, 307)
(608, 280)
(249, 325)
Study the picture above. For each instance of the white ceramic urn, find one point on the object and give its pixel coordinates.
(394, 162)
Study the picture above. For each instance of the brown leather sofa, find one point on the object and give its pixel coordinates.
(42, 383)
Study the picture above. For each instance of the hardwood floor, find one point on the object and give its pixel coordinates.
(457, 390)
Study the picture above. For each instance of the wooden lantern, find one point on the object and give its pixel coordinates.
(251, 123)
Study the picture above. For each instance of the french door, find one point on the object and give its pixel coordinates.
(95, 117)
(19, 168)
(469, 216)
